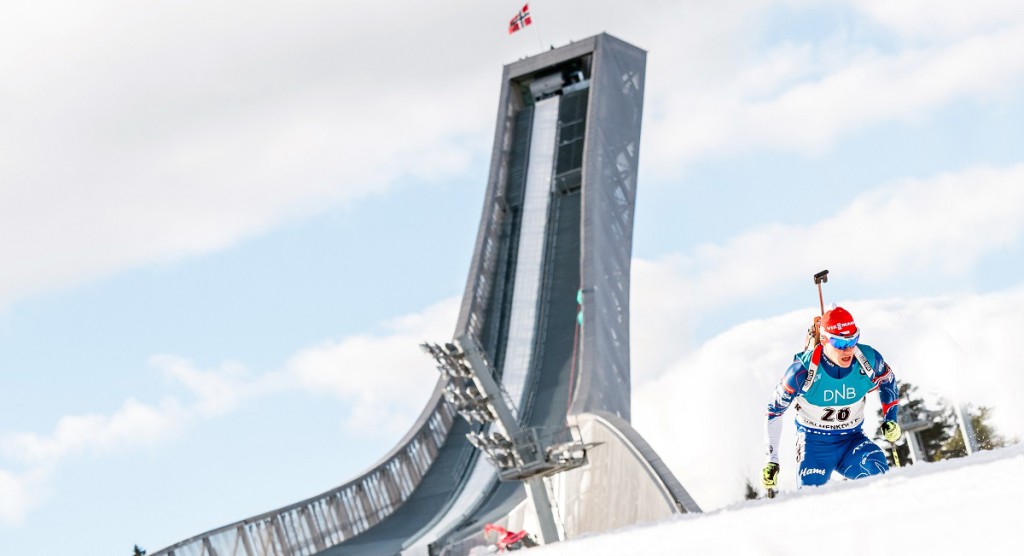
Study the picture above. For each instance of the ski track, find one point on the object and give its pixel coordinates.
(950, 507)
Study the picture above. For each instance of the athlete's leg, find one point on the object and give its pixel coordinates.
(863, 458)
(816, 456)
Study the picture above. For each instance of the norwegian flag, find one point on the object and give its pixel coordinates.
(521, 20)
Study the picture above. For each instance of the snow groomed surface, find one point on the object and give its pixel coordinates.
(952, 507)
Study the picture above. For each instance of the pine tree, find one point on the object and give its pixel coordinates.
(938, 422)
(139, 551)
(751, 493)
(984, 433)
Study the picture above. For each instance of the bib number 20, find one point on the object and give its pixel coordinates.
(831, 414)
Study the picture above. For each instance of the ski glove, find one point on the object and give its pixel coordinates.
(769, 475)
(891, 431)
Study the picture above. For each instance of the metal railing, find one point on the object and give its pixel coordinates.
(316, 524)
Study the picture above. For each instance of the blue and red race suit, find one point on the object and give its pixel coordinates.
(829, 407)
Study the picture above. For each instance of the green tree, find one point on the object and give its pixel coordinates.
(139, 551)
(984, 433)
(937, 427)
(751, 493)
(934, 424)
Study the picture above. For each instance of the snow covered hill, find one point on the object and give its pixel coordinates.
(965, 506)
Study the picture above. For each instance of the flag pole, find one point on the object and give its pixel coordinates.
(536, 30)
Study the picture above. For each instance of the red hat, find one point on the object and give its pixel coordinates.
(838, 322)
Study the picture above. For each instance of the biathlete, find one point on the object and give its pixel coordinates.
(829, 383)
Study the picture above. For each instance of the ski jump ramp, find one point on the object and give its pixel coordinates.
(546, 309)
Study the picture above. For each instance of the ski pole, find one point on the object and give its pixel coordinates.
(895, 456)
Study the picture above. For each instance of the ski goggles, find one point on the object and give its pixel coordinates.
(842, 342)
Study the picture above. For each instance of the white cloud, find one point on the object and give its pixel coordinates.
(942, 18)
(133, 423)
(384, 376)
(136, 133)
(803, 97)
(947, 221)
(20, 493)
(943, 224)
(218, 390)
(385, 379)
(140, 132)
(943, 345)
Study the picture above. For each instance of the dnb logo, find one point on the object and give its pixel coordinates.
(833, 396)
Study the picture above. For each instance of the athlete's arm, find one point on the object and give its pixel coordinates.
(788, 388)
(888, 392)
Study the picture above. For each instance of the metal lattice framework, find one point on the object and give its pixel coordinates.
(537, 258)
(313, 525)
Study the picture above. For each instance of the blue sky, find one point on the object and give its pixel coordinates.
(226, 227)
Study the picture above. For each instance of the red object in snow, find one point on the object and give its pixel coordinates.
(507, 540)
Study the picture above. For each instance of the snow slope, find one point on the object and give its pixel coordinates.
(964, 506)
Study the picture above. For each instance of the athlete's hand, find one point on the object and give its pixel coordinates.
(891, 431)
(769, 475)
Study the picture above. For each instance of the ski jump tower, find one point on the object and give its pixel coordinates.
(540, 351)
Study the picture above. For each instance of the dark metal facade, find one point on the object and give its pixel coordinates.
(593, 192)
(574, 368)
(573, 365)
